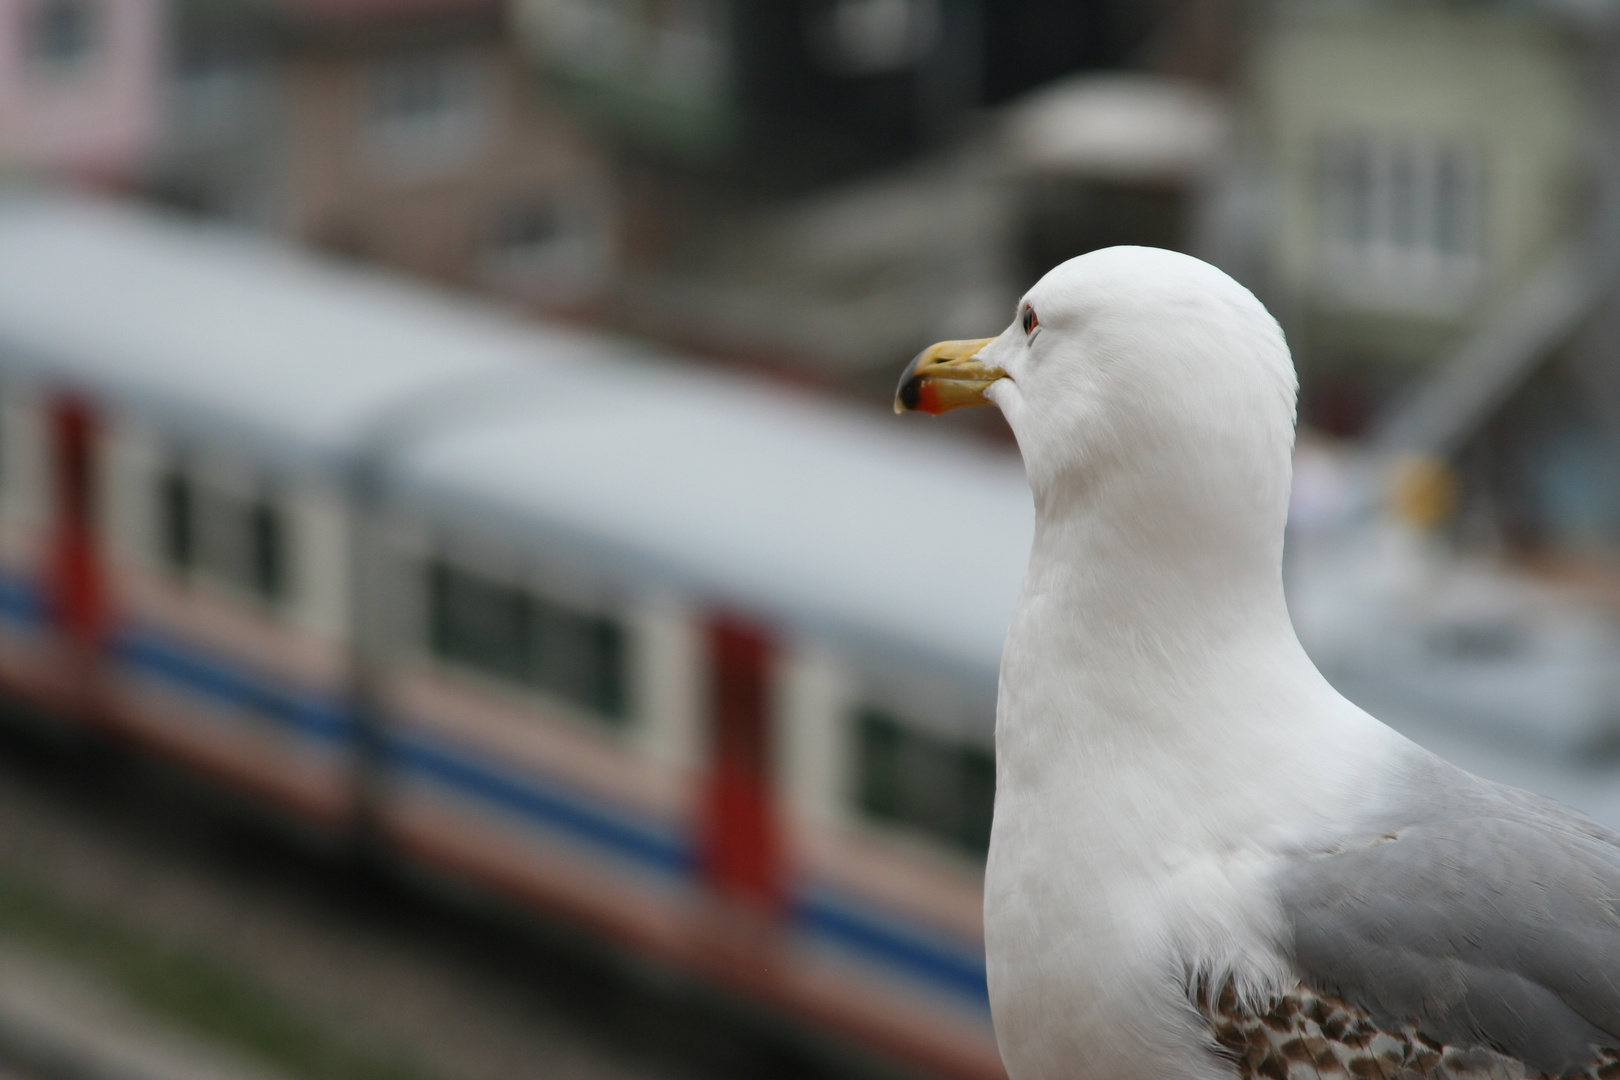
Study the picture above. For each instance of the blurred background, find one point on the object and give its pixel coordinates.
(624, 754)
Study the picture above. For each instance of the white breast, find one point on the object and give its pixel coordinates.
(1134, 844)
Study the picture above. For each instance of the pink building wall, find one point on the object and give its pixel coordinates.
(92, 117)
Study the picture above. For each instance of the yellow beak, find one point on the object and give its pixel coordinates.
(944, 377)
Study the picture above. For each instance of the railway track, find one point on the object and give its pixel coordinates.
(183, 906)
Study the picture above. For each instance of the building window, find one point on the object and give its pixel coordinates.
(554, 248)
(875, 37)
(530, 228)
(62, 33)
(686, 48)
(936, 786)
(221, 537)
(677, 47)
(1401, 212)
(218, 94)
(520, 637)
(428, 113)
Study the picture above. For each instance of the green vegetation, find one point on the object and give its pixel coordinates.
(191, 989)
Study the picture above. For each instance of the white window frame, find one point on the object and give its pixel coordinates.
(414, 145)
(1401, 217)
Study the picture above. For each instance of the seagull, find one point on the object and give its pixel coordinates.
(1205, 862)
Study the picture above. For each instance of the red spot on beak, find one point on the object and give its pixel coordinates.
(928, 399)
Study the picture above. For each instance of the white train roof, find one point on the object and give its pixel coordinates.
(869, 526)
(239, 332)
(796, 510)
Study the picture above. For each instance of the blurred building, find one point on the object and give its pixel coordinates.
(818, 185)
(794, 92)
(1104, 160)
(813, 186)
(398, 131)
(78, 87)
(1440, 191)
(1424, 159)
(842, 283)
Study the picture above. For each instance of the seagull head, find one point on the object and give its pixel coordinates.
(1132, 364)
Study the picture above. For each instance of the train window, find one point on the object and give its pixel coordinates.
(512, 633)
(480, 623)
(222, 537)
(269, 545)
(580, 657)
(174, 515)
(921, 781)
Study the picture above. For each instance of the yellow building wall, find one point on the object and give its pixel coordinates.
(1506, 83)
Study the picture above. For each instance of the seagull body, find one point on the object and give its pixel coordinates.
(1205, 862)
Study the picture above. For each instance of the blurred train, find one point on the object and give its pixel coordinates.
(705, 666)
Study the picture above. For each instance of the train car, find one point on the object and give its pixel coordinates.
(706, 666)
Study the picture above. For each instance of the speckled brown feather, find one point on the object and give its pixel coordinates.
(1307, 1036)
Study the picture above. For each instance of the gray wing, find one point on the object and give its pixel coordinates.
(1482, 914)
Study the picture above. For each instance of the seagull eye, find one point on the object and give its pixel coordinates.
(1030, 321)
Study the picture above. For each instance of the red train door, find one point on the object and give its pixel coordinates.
(75, 590)
(740, 846)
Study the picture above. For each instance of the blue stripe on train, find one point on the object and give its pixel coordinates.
(652, 849)
(953, 969)
(322, 720)
(816, 911)
(21, 602)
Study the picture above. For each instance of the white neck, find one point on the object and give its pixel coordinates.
(1152, 654)
(1172, 566)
